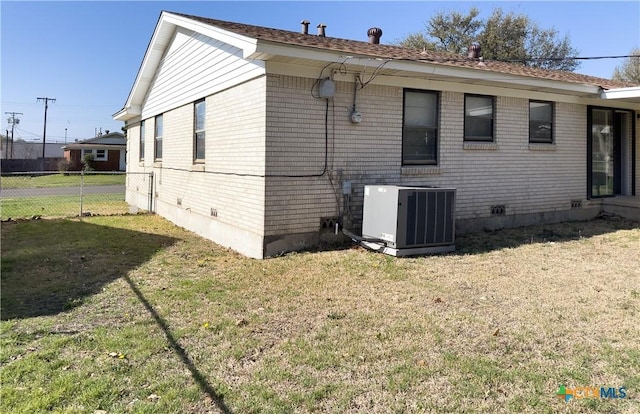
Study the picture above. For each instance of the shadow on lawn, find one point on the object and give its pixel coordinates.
(182, 353)
(51, 266)
(483, 242)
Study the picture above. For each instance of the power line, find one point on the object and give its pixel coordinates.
(44, 134)
(558, 59)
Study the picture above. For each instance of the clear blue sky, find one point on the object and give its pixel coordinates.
(87, 54)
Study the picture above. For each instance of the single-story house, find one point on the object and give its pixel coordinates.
(108, 150)
(262, 139)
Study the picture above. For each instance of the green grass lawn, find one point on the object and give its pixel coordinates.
(133, 314)
(71, 179)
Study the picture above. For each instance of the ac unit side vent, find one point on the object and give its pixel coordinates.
(576, 203)
(498, 210)
(430, 218)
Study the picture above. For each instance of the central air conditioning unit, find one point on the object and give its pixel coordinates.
(405, 221)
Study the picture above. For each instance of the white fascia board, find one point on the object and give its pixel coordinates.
(247, 44)
(265, 49)
(621, 93)
(120, 115)
(128, 113)
(494, 77)
(157, 45)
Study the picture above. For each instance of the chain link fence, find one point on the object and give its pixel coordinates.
(68, 194)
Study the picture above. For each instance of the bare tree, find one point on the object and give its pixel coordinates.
(629, 70)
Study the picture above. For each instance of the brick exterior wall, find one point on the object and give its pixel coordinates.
(265, 180)
(225, 195)
(526, 178)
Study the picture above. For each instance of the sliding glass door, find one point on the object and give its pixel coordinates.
(603, 153)
(611, 150)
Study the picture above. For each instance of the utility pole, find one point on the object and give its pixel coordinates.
(13, 121)
(44, 134)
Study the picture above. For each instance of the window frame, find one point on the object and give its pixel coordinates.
(97, 157)
(436, 127)
(157, 137)
(141, 141)
(472, 138)
(199, 134)
(94, 153)
(551, 139)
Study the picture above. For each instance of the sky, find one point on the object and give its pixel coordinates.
(86, 54)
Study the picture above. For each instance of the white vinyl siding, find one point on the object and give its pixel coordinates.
(195, 66)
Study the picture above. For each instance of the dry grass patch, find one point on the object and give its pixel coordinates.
(496, 327)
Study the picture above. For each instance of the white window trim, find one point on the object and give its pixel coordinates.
(94, 152)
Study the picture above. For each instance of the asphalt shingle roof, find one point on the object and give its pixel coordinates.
(355, 47)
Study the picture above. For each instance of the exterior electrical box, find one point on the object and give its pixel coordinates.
(326, 88)
(404, 221)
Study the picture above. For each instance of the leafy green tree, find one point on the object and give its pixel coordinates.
(507, 37)
(629, 70)
(452, 32)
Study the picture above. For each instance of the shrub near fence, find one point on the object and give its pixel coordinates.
(69, 194)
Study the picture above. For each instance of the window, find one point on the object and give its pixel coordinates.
(157, 137)
(478, 118)
(100, 155)
(142, 140)
(540, 122)
(420, 128)
(199, 111)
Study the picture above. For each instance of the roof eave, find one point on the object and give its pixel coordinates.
(94, 146)
(125, 114)
(630, 94)
(266, 50)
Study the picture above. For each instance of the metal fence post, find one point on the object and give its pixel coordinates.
(151, 192)
(81, 189)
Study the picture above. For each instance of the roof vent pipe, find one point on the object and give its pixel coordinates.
(474, 51)
(375, 33)
(305, 26)
(321, 28)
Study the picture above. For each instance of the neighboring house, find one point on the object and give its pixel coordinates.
(108, 150)
(260, 139)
